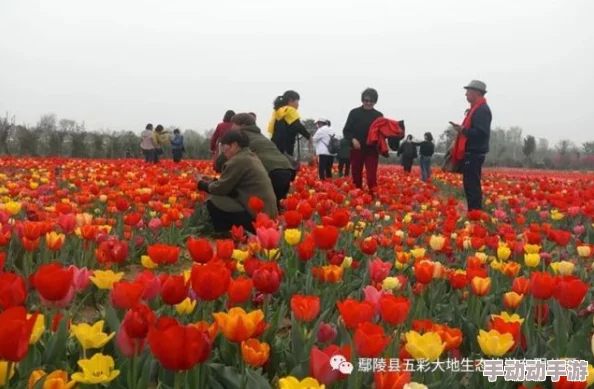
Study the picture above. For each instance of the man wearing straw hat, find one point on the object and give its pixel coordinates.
(472, 144)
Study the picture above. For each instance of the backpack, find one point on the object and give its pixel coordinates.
(333, 145)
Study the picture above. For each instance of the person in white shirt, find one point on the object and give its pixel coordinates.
(321, 140)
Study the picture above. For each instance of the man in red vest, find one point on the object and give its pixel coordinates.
(472, 144)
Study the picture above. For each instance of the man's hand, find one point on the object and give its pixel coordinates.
(356, 144)
(457, 127)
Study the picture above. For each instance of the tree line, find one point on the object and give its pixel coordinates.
(53, 137)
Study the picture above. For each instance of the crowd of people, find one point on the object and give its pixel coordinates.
(252, 165)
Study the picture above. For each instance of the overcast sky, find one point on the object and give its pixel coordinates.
(120, 64)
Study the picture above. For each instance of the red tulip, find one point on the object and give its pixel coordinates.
(370, 340)
(174, 290)
(424, 272)
(210, 281)
(319, 363)
(326, 333)
(542, 285)
(200, 250)
(292, 219)
(305, 308)
(125, 294)
(240, 290)
(225, 249)
(178, 347)
(15, 333)
(570, 291)
(163, 254)
(255, 204)
(368, 246)
(138, 321)
(151, 284)
(53, 282)
(112, 250)
(354, 313)
(391, 379)
(325, 237)
(521, 285)
(267, 277)
(394, 309)
(13, 291)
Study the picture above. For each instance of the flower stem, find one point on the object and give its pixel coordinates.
(7, 379)
(177, 380)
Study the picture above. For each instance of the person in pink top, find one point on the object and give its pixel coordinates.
(221, 130)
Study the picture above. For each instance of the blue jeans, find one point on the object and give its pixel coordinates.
(425, 167)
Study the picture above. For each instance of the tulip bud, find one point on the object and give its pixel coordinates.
(327, 333)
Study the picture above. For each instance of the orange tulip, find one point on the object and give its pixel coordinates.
(511, 269)
(238, 325)
(480, 286)
(255, 353)
(305, 308)
(210, 329)
(330, 273)
(54, 240)
(511, 300)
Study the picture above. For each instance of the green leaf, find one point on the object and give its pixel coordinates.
(39, 384)
(57, 343)
(227, 376)
(255, 380)
(145, 375)
(111, 317)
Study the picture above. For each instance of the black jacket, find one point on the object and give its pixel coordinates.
(479, 132)
(358, 123)
(426, 149)
(408, 150)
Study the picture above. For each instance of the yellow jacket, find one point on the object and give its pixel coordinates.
(288, 113)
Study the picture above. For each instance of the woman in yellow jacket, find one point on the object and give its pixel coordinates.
(285, 124)
(161, 138)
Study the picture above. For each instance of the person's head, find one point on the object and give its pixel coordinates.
(176, 131)
(409, 138)
(369, 98)
(228, 116)
(254, 116)
(321, 122)
(290, 98)
(242, 120)
(159, 128)
(149, 127)
(428, 137)
(233, 142)
(475, 91)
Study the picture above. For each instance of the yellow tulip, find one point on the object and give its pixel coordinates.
(495, 344)
(407, 219)
(437, 242)
(4, 376)
(503, 253)
(291, 382)
(240, 255)
(391, 283)
(347, 262)
(531, 248)
(564, 268)
(496, 265)
(428, 346)
(91, 337)
(506, 317)
(38, 328)
(105, 279)
(146, 261)
(103, 198)
(57, 379)
(240, 268)
(532, 260)
(584, 251)
(292, 237)
(556, 215)
(419, 252)
(273, 254)
(590, 377)
(186, 307)
(13, 207)
(414, 385)
(97, 370)
(482, 257)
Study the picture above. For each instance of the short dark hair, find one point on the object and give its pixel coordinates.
(409, 137)
(429, 137)
(371, 94)
(149, 127)
(176, 131)
(243, 119)
(159, 128)
(253, 114)
(235, 136)
(228, 115)
(286, 98)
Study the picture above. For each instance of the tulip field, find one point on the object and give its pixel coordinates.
(110, 278)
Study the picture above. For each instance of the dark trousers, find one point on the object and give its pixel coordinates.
(325, 163)
(407, 163)
(425, 167)
(281, 183)
(368, 158)
(149, 155)
(471, 177)
(344, 167)
(177, 155)
(222, 221)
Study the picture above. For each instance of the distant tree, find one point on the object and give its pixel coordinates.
(446, 139)
(529, 146)
(67, 125)
(564, 146)
(588, 148)
(310, 125)
(48, 122)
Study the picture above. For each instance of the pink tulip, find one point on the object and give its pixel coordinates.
(379, 270)
(80, 278)
(155, 224)
(151, 284)
(500, 214)
(373, 296)
(4, 217)
(67, 223)
(579, 229)
(544, 215)
(268, 238)
(126, 344)
(573, 211)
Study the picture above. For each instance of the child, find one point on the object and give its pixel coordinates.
(344, 158)
(177, 146)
